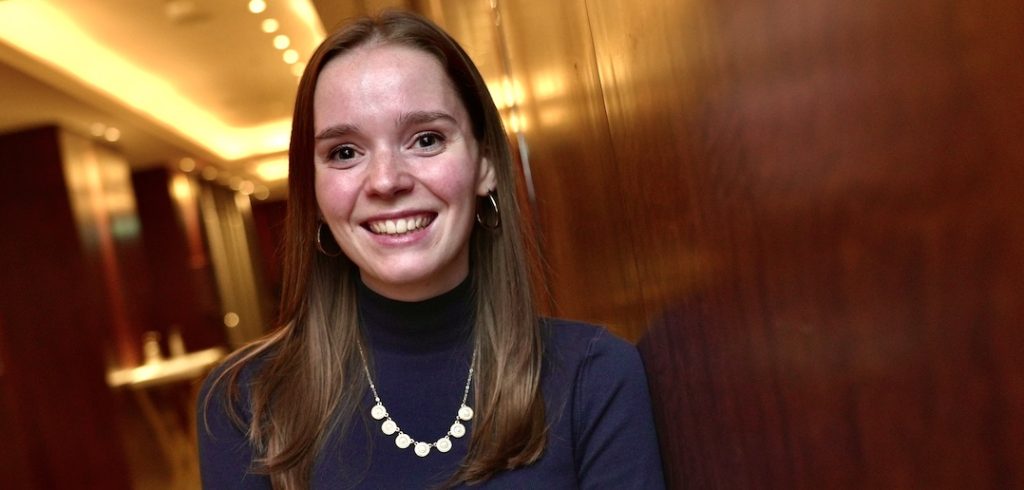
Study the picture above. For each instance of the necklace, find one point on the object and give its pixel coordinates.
(403, 440)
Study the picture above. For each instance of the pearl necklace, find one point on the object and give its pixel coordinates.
(403, 440)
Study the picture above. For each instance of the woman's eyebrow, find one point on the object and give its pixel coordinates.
(336, 131)
(421, 117)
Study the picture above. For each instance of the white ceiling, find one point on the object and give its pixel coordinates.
(197, 64)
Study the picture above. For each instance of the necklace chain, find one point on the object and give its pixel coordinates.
(402, 440)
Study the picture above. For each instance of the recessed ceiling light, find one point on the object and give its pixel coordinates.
(281, 41)
(291, 56)
(298, 68)
(247, 187)
(270, 25)
(187, 164)
(181, 11)
(210, 172)
(261, 193)
(257, 6)
(112, 134)
(234, 182)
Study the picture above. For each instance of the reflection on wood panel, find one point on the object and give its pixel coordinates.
(580, 207)
(99, 186)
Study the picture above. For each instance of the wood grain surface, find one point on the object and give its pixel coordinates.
(812, 209)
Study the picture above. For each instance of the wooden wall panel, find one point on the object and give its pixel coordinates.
(181, 289)
(838, 258)
(56, 321)
(268, 222)
(15, 469)
(582, 216)
(815, 208)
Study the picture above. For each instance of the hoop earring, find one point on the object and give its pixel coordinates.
(492, 220)
(320, 245)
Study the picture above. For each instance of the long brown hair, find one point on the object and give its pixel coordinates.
(309, 374)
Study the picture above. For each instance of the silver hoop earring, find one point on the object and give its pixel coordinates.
(489, 219)
(320, 245)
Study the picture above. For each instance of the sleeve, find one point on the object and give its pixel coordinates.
(616, 442)
(225, 455)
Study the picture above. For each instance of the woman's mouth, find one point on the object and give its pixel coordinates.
(399, 226)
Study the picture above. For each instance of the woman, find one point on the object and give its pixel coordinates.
(411, 354)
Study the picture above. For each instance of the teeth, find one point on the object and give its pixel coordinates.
(399, 226)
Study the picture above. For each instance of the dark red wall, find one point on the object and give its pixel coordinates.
(838, 186)
(268, 221)
(59, 423)
(181, 288)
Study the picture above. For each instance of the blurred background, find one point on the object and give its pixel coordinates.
(807, 213)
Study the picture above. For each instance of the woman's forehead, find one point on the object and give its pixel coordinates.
(383, 78)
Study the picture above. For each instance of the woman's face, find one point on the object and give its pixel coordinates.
(398, 169)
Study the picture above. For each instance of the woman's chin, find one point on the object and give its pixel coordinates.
(411, 285)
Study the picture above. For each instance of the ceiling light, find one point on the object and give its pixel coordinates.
(187, 164)
(261, 193)
(291, 56)
(272, 169)
(181, 188)
(247, 187)
(257, 6)
(97, 129)
(270, 25)
(112, 134)
(210, 172)
(94, 68)
(181, 11)
(298, 68)
(281, 41)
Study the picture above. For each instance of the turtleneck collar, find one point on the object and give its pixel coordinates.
(434, 324)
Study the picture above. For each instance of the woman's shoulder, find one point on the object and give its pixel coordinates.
(587, 345)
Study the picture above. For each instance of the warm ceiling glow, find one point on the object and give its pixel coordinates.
(257, 6)
(270, 25)
(298, 68)
(303, 9)
(46, 33)
(272, 169)
(291, 56)
(281, 41)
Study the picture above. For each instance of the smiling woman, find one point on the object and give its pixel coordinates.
(398, 170)
(410, 353)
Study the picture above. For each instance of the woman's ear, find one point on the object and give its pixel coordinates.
(486, 180)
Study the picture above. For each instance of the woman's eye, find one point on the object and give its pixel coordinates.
(343, 153)
(428, 140)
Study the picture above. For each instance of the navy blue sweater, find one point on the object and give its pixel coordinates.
(600, 430)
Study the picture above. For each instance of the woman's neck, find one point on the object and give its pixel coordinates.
(439, 323)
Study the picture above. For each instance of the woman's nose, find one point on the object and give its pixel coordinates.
(388, 175)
